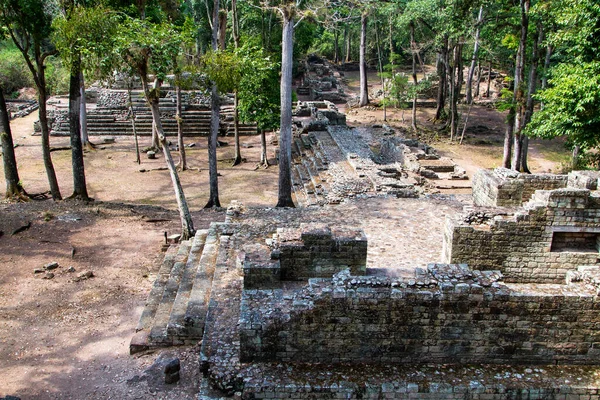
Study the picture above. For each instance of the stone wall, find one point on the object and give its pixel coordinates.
(502, 187)
(553, 234)
(301, 253)
(448, 314)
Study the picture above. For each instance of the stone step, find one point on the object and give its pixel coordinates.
(176, 326)
(157, 290)
(197, 305)
(158, 331)
(298, 187)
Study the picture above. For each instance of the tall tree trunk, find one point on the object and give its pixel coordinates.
(236, 130)
(222, 29)
(379, 58)
(413, 48)
(235, 24)
(85, 140)
(364, 89)
(442, 71)
(213, 199)
(478, 82)
(179, 119)
(345, 49)
(264, 161)
(133, 127)
(43, 114)
(391, 42)
(508, 133)
(455, 84)
(531, 89)
(348, 45)
(489, 80)
(153, 96)
(284, 198)
(336, 45)
(155, 139)
(14, 189)
(469, 83)
(79, 183)
(519, 92)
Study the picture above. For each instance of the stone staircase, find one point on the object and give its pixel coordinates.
(113, 121)
(175, 312)
(309, 178)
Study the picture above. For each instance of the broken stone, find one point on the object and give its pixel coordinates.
(51, 266)
(84, 275)
(151, 155)
(172, 371)
(38, 270)
(48, 275)
(71, 269)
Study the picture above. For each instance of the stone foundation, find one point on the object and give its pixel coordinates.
(448, 314)
(556, 232)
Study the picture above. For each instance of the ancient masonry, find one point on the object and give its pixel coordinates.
(109, 114)
(297, 316)
(554, 232)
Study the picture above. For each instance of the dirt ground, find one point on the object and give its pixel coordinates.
(67, 338)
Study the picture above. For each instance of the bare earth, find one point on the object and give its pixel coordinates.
(64, 338)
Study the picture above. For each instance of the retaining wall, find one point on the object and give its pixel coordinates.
(449, 314)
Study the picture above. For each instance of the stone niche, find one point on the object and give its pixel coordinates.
(298, 254)
(555, 232)
(447, 314)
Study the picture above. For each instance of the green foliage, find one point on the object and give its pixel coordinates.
(304, 36)
(147, 47)
(224, 68)
(88, 33)
(323, 45)
(57, 77)
(14, 74)
(571, 105)
(258, 89)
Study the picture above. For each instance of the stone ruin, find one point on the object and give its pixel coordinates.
(109, 113)
(554, 231)
(321, 81)
(510, 313)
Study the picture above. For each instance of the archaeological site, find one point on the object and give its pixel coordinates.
(499, 303)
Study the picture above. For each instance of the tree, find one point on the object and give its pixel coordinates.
(571, 101)
(28, 23)
(14, 188)
(150, 47)
(82, 35)
(259, 93)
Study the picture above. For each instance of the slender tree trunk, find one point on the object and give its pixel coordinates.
(43, 114)
(519, 92)
(79, 183)
(236, 131)
(575, 157)
(179, 119)
(379, 58)
(508, 134)
(531, 89)
(469, 83)
(14, 189)
(155, 139)
(336, 45)
(489, 80)
(348, 44)
(133, 127)
(413, 47)
(213, 199)
(85, 140)
(344, 57)
(222, 29)
(284, 198)
(364, 89)
(152, 96)
(235, 24)
(478, 82)
(391, 42)
(264, 161)
(456, 84)
(442, 71)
